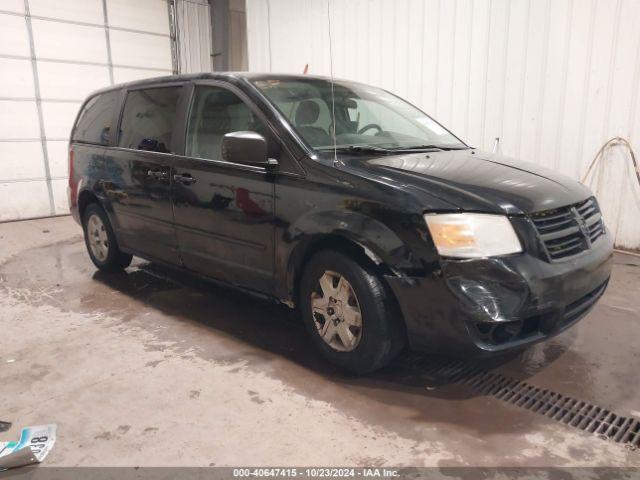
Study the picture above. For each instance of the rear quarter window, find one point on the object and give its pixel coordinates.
(95, 120)
(148, 119)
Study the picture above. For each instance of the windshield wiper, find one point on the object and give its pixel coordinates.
(429, 147)
(358, 149)
(418, 148)
(389, 150)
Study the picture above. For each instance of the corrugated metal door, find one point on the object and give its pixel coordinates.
(52, 54)
(193, 20)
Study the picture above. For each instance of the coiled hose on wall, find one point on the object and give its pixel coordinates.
(611, 143)
(615, 141)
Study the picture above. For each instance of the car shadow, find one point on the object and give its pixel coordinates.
(175, 315)
(273, 328)
(263, 333)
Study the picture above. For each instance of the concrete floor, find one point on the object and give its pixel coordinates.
(146, 369)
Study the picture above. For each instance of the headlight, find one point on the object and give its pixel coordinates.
(472, 235)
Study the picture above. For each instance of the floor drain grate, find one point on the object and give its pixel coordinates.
(576, 413)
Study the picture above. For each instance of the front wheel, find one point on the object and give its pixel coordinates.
(101, 241)
(349, 313)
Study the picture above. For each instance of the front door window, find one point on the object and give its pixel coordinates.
(215, 112)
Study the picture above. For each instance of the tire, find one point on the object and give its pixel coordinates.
(381, 334)
(101, 241)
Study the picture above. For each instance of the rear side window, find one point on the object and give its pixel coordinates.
(148, 119)
(94, 122)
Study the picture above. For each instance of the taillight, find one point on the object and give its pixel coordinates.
(73, 183)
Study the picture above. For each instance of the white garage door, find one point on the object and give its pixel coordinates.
(52, 54)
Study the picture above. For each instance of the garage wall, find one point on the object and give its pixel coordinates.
(554, 79)
(193, 20)
(52, 54)
(237, 36)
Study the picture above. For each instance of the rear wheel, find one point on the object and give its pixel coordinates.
(349, 313)
(101, 241)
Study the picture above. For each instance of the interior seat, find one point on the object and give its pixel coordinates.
(307, 115)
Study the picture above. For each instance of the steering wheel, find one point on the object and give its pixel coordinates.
(369, 127)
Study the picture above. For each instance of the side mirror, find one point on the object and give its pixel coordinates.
(249, 148)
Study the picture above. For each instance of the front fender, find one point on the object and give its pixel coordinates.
(377, 240)
(357, 227)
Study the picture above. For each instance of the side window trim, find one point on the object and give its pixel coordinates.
(117, 117)
(176, 126)
(223, 163)
(183, 110)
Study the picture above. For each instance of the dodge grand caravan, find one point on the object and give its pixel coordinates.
(381, 227)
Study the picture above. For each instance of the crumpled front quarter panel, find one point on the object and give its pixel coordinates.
(386, 221)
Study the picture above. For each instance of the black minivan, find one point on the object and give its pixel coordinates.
(381, 227)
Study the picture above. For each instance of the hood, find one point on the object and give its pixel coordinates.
(480, 182)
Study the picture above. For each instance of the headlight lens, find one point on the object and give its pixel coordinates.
(472, 235)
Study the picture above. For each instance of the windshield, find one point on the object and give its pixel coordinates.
(366, 117)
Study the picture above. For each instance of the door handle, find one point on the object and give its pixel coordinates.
(184, 178)
(157, 174)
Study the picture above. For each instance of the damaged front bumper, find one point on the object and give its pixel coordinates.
(502, 303)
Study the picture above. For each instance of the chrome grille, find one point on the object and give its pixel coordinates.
(567, 231)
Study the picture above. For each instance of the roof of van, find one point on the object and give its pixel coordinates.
(227, 76)
(217, 76)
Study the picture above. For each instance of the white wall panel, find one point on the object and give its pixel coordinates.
(140, 50)
(60, 198)
(146, 15)
(478, 72)
(446, 41)
(16, 78)
(122, 75)
(18, 120)
(461, 66)
(23, 200)
(88, 11)
(13, 36)
(58, 118)
(13, 155)
(66, 41)
(554, 79)
(515, 76)
(71, 50)
(258, 38)
(58, 158)
(70, 81)
(12, 6)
